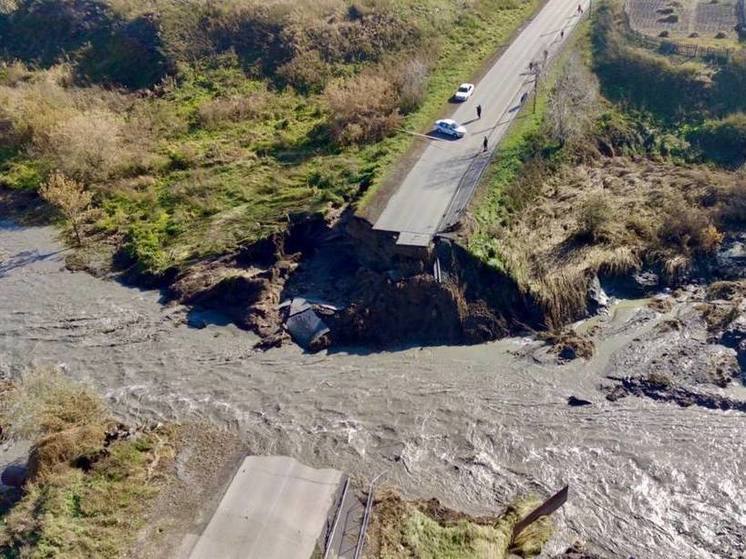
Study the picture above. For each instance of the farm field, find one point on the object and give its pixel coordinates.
(712, 23)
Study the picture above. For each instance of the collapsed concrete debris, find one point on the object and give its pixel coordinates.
(304, 325)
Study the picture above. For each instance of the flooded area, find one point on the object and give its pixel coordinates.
(473, 426)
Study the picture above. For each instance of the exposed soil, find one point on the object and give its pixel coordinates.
(663, 389)
(695, 350)
(206, 458)
(385, 297)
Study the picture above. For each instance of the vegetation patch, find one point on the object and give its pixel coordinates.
(426, 530)
(197, 130)
(722, 140)
(90, 480)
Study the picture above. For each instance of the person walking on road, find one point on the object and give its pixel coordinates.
(484, 144)
(479, 111)
(562, 33)
(580, 9)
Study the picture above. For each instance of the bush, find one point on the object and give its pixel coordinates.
(688, 230)
(87, 146)
(71, 198)
(410, 80)
(363, 109)
(572, 104)
(132, 56)
(733, 209)
(729, 84)
(230, 109)
(723, 141)
(593, 219)
(306, 72)
(44, 31)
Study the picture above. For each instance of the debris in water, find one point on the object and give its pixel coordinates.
(575, 402)
(305, 326)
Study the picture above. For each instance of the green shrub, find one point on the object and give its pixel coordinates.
(594, 218)
(729, 84)
(132, 56)
(723, 141)
(145, 242)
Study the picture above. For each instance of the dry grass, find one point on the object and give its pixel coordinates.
(568, 344)
(612, 217)
(45, 402)
(90, 484)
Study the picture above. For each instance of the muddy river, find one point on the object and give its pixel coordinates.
(473, 426)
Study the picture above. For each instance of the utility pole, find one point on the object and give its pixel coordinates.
(537, 73)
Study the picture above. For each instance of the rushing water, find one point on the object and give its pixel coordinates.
(473, 426)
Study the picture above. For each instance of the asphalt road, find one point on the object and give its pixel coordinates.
(275, 508)
(418, 207)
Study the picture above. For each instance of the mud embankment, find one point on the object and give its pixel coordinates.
(383, 295)
(435, 295)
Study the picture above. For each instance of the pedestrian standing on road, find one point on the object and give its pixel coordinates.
(580, 9)
(479, 111)
(562, 33)
(484, 144)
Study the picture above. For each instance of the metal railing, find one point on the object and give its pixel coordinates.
(366, 517)
(330, 531)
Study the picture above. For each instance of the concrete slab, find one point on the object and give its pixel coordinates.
(414, 239)
(275, 508)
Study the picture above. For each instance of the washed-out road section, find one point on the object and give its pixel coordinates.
(474, 426)
(419, 208)
(275, 508)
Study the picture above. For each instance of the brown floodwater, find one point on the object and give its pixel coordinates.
(473, 426)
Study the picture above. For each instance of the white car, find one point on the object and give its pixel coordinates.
(464, 91)
(450, 127)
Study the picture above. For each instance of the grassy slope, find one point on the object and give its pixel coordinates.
(405, 529)
(488, 208)
(68, 510)
(211, 189)
(73, 513)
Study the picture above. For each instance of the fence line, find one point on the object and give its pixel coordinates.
(670, 46)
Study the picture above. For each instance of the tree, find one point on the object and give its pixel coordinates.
(71, 198)
(572, 102)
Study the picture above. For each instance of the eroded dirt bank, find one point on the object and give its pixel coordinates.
(472, 426)
(382, 297)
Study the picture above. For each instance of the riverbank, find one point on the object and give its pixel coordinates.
(467, 425)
